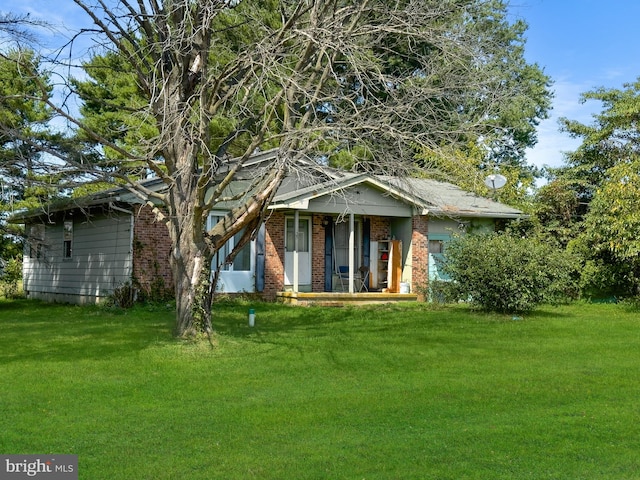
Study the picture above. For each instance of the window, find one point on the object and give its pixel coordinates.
(436, 246)
(303, 235)
(67, 238)
(242, 262)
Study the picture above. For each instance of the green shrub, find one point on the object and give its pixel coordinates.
(603, 276)
(10, 279)
(505, 273)
(443, 292)
(154, 292)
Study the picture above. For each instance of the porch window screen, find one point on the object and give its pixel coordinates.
(341, 244)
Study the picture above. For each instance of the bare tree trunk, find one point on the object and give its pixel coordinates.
(188, 263)
(191, 256)
(194, 247)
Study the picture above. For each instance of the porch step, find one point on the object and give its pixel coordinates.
(340, 299)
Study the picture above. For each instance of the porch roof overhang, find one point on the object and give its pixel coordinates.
(424, 196)
(300, 198)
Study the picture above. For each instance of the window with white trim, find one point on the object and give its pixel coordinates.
(303, 235)
(67, 239)
(242, 261)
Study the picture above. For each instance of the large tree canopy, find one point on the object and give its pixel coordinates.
(179, 86)
(611, 138)
(457, 79)
(602, 177)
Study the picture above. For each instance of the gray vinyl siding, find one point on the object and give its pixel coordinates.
(101, 260)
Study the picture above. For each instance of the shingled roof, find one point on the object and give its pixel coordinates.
(312, 181)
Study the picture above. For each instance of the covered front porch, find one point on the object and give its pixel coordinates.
(354, 237)
(346, 254)
(355, 260)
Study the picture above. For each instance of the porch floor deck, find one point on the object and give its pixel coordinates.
(342, 298)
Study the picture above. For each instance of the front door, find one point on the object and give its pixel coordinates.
(304, 251)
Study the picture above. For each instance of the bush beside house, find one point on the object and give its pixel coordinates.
(506, 273)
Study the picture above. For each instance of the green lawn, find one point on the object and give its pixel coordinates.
(383, 392)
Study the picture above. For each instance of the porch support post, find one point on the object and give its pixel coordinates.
(328, 254)
(351, 247)
(296, 226)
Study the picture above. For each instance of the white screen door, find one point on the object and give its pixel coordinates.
(304, 251)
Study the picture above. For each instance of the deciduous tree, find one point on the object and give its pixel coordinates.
(604, 173)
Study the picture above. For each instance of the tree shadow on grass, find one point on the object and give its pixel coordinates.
(310, 326)
(232, 319)
(33, 330)
(293, 326)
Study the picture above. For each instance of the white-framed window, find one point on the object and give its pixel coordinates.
(303, 235)
(436, 246)
(67, 239)
(242, 261)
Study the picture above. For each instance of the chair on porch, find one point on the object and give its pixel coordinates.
(364, 278)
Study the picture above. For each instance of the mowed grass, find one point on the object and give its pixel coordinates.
(381, 392)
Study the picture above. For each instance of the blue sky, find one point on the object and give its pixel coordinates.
(580, 44)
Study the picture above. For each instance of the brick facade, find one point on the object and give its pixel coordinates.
(152, 250)
(317, 254)
(419, 253)
(275, 249)
(380, 229)
(274, 256)
(151, 255)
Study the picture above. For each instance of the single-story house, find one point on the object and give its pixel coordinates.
(329, 232)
